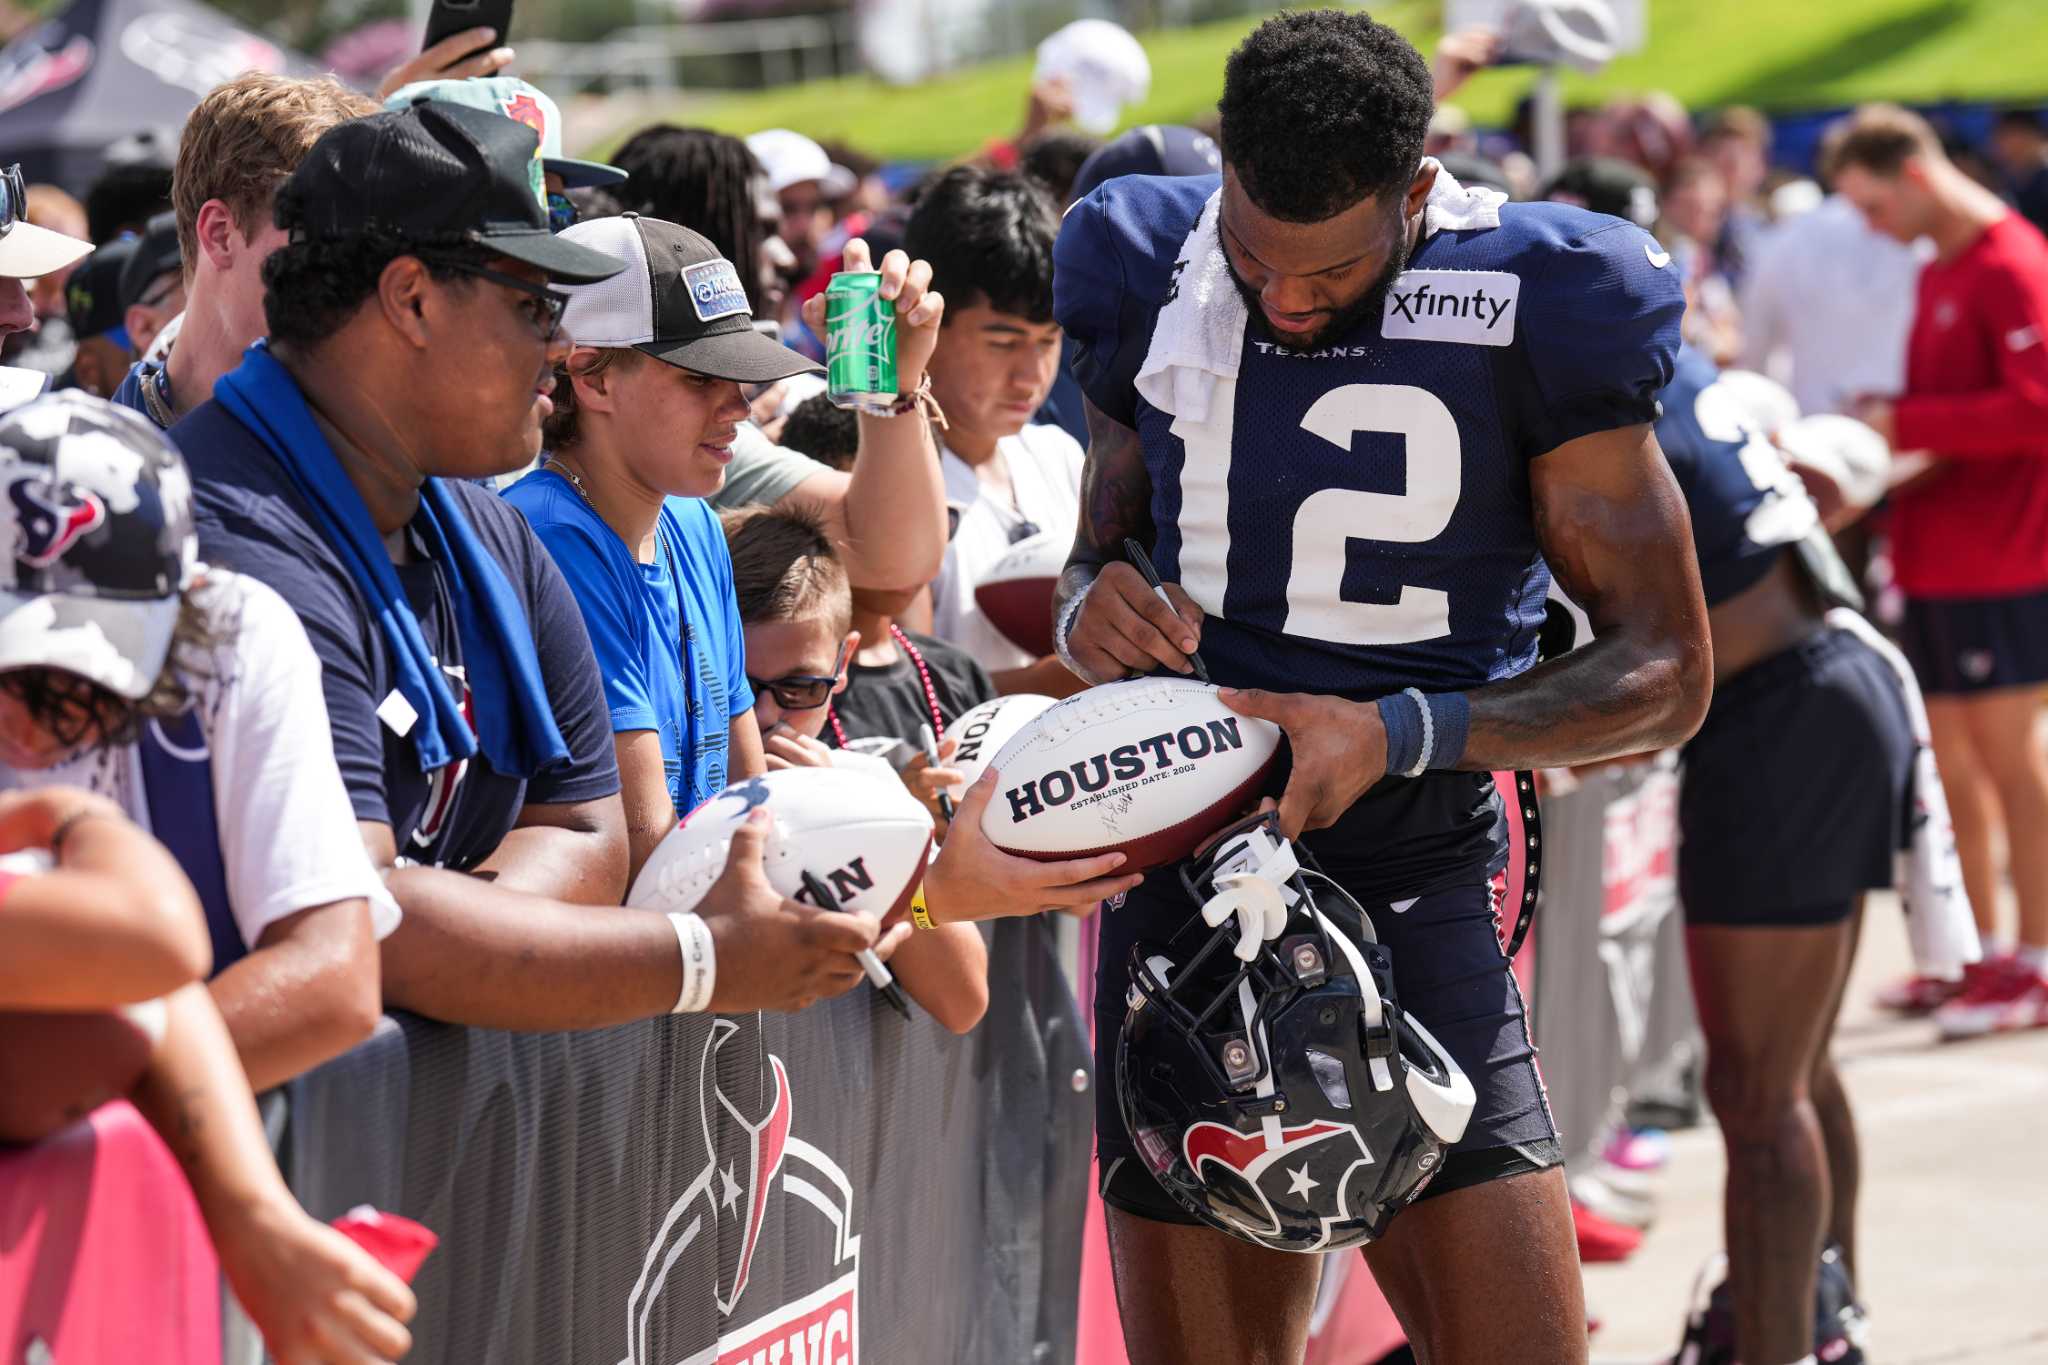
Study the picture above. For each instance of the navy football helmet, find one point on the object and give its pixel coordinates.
(1269, 1078)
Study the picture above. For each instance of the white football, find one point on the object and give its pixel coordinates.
(1151, 766)
(1016, 593)
(984, 730)
(859, 832)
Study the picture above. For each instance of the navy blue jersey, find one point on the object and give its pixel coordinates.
(1746, 504)
(1360, 520)
(1357, 519)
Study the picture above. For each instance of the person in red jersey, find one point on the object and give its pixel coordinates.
(1970, 540)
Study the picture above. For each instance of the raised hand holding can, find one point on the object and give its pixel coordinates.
(860, 343)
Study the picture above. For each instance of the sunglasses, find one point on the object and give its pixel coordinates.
(562, 211)
(13, 198)
(801, 691)
(542, 305)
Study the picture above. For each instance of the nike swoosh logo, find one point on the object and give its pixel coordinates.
(1660, 259)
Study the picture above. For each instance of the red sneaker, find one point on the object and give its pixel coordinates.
(1999, 996)
(1918, 994)
(1600, 1240)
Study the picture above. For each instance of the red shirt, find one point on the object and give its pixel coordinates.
(1977, 396)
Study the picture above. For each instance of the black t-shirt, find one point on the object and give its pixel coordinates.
(252, 519)
(889, 701)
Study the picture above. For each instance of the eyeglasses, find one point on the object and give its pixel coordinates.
(801, 691)
(156, 299)
(13, 198)
(542, 305)
(562, 211)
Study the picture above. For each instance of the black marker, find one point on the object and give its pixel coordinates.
(877, 970)
(931, 756)
(1144, 563)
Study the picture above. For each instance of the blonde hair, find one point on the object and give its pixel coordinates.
(245, 139)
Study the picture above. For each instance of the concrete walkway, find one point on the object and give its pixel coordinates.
(1954, 1219)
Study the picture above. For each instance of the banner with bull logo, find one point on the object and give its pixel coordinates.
(820, 1189)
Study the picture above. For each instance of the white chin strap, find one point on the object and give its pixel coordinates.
(1251, 874)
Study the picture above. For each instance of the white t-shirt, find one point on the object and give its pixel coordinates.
(1044, 464)
(1827, 306)
(287, 831)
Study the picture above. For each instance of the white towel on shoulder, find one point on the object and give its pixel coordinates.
(1199, 337)
(1939, 926)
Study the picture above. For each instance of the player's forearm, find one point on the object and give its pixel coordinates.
(895, 505)
(1625, 693)
(1116, 504)
(471, 953)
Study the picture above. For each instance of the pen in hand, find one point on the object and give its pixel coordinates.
(931, 756)
(878, 972)
(1143, 562)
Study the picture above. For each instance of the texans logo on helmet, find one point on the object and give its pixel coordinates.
(734, 1188)
(51, 518)
(1309, 1157)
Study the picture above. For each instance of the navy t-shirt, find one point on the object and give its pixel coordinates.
(253, 520)
(1357, 519)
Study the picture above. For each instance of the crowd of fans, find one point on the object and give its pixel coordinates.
(427, 520)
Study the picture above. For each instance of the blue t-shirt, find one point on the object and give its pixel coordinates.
(251, 518)
(682, 673)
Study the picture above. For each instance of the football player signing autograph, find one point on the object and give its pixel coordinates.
(1359, 416)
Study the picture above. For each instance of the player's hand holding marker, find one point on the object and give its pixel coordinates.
(1124, 627)
(1339, 747)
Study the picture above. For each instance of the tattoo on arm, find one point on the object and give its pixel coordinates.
(1614, 530)
(1116, 502)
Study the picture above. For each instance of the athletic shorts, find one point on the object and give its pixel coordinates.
(1449, 972)
(1797, 789)
(1963, 645)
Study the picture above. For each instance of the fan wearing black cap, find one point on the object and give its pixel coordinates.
(153, 283)
(413, 342)
(92, 299)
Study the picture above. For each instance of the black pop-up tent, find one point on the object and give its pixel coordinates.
(103, 69)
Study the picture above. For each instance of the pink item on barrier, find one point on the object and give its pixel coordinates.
(102, 1252)
(399, 1244)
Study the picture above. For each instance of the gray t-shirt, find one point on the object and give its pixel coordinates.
(761, 471)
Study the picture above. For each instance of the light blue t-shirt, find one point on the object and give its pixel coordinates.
(685, 678)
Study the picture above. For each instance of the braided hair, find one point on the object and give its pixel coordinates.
(702, 179)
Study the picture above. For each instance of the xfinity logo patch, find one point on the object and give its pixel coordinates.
(1470, 307)
(715, 290)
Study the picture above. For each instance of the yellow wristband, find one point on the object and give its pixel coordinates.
(920, 913)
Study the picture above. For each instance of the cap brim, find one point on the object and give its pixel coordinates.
(583, 175)
(742, 355)
(838, 182)
(119, 645)
(564, 260)
(28, 251)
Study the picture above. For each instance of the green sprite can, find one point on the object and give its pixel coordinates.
(860, 343)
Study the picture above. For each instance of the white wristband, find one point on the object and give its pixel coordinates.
(1065, 625)
(1428, 732)
(700, 962)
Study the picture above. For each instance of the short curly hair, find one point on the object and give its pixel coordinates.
(312, 289)
(1321, 109)
(989, 236)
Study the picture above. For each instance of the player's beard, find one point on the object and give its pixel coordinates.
(1344, 319)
